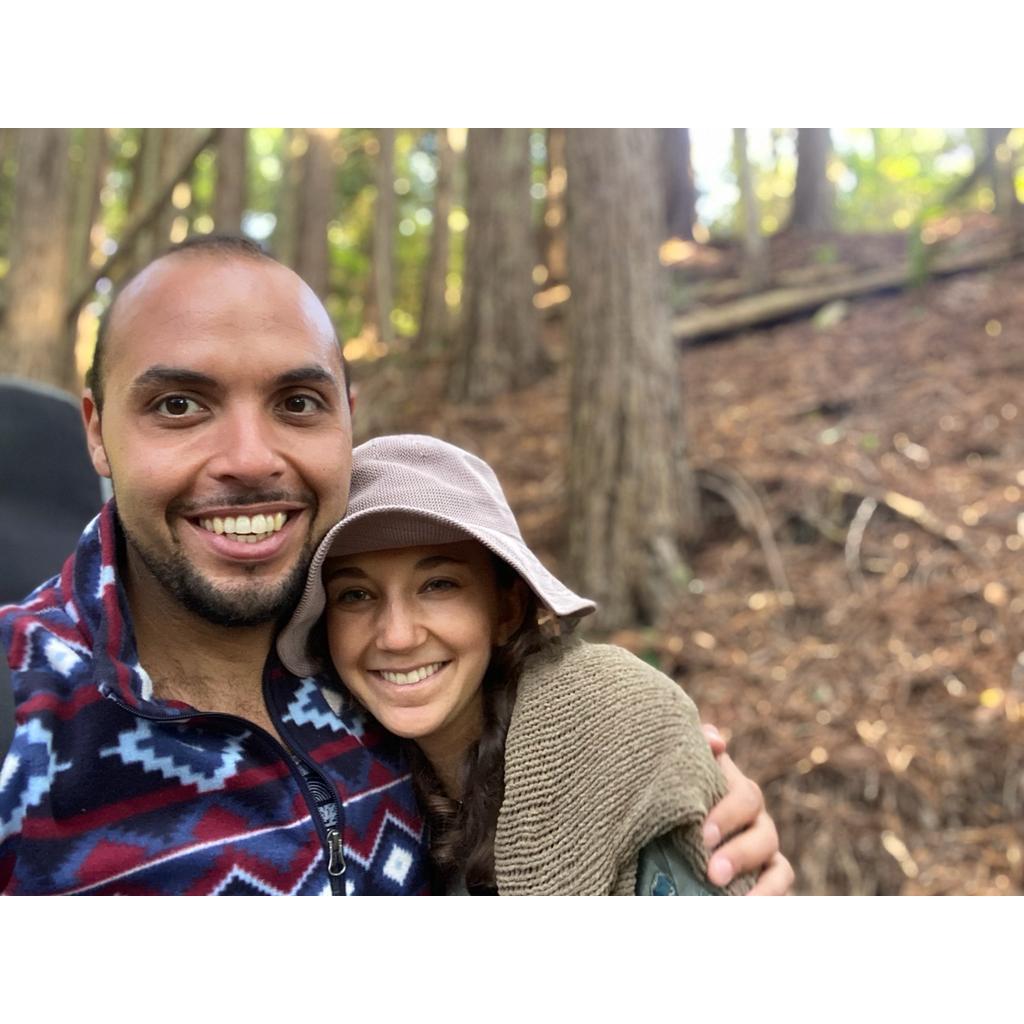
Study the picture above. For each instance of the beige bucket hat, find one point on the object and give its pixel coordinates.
(410, 490)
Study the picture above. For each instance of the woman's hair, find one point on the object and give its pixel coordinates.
(461, 833)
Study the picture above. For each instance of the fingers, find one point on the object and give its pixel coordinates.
(749, 851)
(737, 810)
(776, 879)
(754, 840)
(714, 738)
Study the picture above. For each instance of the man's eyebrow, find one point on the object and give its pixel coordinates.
(163, 376)
(181, 376)
(306, 375)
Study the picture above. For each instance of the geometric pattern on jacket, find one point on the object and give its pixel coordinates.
(105, 790)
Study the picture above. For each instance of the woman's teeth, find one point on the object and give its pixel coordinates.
(415, 676)
(247, 529)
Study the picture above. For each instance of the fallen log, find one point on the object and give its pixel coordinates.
(783, 303)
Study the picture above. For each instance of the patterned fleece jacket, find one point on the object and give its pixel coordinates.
(106, 790)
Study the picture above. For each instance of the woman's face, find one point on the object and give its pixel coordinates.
(411, 632)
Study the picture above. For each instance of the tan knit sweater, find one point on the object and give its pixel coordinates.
(604, 754)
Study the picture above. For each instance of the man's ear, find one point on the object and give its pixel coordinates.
(93, 434)
(513, 609)
(353, 394)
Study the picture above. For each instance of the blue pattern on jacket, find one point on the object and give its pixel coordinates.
(106, 790)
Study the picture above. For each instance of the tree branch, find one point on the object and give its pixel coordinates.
(141, 221)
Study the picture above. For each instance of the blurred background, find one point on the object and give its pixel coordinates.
(758, 391)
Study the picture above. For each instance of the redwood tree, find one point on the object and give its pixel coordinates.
(755, 252)
(434, 311)
(316, 206)
(813, 199)
(35, 341)
(498, 348)
(384, 235)
(680, 188)
(229, 197)
(631, 493)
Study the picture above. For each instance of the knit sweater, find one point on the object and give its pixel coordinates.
(604, 754)
(108, 790)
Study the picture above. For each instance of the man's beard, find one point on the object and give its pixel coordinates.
(238, 606)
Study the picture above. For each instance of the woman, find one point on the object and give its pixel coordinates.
(545, 765)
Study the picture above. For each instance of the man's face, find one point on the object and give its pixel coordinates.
(226, 432)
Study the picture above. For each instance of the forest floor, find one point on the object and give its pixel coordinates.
(877, 691)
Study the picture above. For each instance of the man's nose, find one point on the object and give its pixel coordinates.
(398, 627)
(248, 448)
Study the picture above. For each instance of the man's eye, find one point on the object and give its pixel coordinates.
(177, 405)
(301, 405)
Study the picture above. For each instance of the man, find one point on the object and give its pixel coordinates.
(161, 747)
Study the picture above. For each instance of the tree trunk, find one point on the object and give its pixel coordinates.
(631, 493)
(813, 201)
(88, 184)
(999, 158)
(434, 319)
(316, 206)
(680, 188)
(553, 240)
(145, 185)
(173, 144)
(384, 235)
(498, 348)
(286, 227)
(8, 146)
(230, 195)
(35, 341)
(755, 253)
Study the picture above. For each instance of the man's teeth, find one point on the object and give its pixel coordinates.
(248, 529)
(415, 676)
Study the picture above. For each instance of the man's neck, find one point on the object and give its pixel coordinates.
(211, 667)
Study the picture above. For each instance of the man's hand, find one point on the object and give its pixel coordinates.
(755, 844)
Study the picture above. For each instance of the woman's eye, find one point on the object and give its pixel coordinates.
(177, 405)
(352, 596)
(440, 585)
(301, 405)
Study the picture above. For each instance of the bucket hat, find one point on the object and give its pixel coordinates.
(410, 490)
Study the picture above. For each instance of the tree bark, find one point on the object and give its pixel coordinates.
(498, 349)
(813, 200)
(35, 341)
(317, 203)
(554, 247)
(632, 496)
(680, 188)
(145, 186)
(999, 159)
(755, 252)
(8, 146)
(230, 195)
(286, 227)
(173, 145)
(434, 319)
(384, 235)
(88, 184)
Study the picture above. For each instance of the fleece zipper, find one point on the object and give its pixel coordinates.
(330, 839)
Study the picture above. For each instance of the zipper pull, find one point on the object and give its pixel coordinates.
(336, 860)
